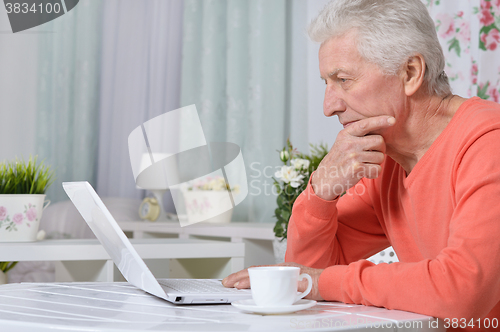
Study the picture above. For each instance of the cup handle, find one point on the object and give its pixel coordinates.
(46, 205)
(309, 286)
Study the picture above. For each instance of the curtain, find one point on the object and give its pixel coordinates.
(469, 32)
(68, 91)
(237, 70)
(141, 57)
(18, 92)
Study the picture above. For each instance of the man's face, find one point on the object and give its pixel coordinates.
(356, 89)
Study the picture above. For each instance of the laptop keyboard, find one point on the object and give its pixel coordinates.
(196, 286)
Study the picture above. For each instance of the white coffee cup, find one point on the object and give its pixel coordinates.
(276, 286)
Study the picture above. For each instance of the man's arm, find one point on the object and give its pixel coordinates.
(314, 225)
(357, 153)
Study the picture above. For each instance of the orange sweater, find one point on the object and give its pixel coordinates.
(443, 221)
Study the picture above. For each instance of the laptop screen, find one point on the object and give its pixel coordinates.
(106, 229)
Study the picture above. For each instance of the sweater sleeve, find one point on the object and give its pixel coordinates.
(462, 281)
(324, 233)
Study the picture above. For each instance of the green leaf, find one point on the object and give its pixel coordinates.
(286, 215)
(6, 266)
(280, 202)
(481, 93)
(454, 45)
(279, 231)
(20, 177)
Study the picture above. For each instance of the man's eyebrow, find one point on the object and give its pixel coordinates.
(334, 72)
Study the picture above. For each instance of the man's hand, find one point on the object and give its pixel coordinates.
(356, 154)
(241, 280)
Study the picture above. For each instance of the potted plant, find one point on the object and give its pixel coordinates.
(290, 181)
(22, 197)
(4, 268)
(208, 199)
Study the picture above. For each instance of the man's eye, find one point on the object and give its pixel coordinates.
(342, 80)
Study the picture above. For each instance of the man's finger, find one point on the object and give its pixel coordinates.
(242, 284)
(374, 143)
(365, 126)
(373, 157)
(234, 278)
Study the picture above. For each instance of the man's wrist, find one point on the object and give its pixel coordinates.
(324, 191)
(330, 282)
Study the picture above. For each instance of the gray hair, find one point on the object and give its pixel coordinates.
(389, 33)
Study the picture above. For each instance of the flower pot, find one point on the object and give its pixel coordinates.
(20, 217)
(208, 206)
(279, 247)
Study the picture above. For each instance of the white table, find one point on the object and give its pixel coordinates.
(86, 259)
(257, 237)
(122, 307)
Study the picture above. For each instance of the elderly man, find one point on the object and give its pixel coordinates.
(421, 168)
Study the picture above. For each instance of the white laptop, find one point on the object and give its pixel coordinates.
(133, 268)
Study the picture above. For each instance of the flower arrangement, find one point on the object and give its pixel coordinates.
(291, 180)
(216, 184)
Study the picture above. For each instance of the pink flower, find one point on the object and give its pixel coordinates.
(491, 40)
(460, 14)
(494, 94)
(18, 218)
(495, 5)
(31, 214)
(486, 18)
(446, 25)
(464, 33)
(474, 71)
(485, 4)
(3, 213)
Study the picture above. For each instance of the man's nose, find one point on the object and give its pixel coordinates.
(332, 103)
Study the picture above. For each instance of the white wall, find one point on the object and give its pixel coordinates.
(320, 128)
(18, 84)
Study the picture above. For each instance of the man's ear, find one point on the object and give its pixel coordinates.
(413, 74)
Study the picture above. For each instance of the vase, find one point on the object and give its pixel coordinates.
(3, 278)
(20, 217)
(208, 206)
(279, 247)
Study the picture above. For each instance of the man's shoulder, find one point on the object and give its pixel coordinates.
(474, 118)
(480, 112)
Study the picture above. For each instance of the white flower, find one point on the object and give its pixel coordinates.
(289, 174)
(284, 156)
(299, 164)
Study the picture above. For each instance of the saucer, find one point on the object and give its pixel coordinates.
(250, 306)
